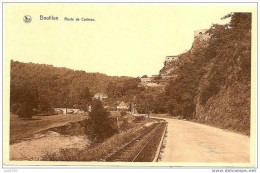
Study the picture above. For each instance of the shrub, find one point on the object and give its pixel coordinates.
(125, 125)
(25, 110)
(100, 121)
(123, 112)
(139, 119)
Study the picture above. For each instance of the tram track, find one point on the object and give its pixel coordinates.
(137, 150)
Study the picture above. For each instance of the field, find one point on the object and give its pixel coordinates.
(21, 129)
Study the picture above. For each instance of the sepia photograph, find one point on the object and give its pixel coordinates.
(129, 84)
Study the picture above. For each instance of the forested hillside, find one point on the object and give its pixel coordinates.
(213, 78)
(43, 86)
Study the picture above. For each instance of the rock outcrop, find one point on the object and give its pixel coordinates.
(212, 81)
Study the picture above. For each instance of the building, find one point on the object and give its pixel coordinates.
(201, 34)
(146, 80)
(171, 58)
(156, 80)
(122, 106)
(167, 77)
(100, 96)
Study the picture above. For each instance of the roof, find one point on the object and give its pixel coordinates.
(171, 56)
(122, 104)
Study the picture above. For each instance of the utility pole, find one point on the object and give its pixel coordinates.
(148, 108)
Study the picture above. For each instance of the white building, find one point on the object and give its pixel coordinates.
(100, 96)
(201, 34)
(171, 58)
(146, 80)
(122, 106)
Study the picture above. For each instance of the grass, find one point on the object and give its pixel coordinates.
(24, 128)
(99, 151)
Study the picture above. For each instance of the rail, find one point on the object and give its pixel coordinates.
(128, 149)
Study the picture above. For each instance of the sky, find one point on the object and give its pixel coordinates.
(124, 40)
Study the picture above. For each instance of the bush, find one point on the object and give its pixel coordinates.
(123, 112)
(125, 125)
(25, 111)
(100, 121)
(139, 119)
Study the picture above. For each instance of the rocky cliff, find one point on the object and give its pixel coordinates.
(212, 83)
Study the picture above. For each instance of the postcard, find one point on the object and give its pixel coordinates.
(129, 84)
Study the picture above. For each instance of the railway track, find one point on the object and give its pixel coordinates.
(136, 150)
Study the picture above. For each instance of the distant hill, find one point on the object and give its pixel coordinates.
(43, 87)
(60, 87)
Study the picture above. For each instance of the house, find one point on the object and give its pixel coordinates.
(122, 106)
(100, 96)
(201, 34)
(170, 58)
(146, 80)
(167, 77)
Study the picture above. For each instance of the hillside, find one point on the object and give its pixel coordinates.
(43, 87)
(213, 78)
(57, 87)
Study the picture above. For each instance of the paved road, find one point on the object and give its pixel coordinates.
(193, 142)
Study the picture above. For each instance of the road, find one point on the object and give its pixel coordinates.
(193, 142)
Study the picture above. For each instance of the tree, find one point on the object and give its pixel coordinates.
(99, 119)
(60, 87)
(84, 99)
(23, 99)
(211, 66)
(25, 110)
(145, 103)
(44, 106)
(125, 89)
